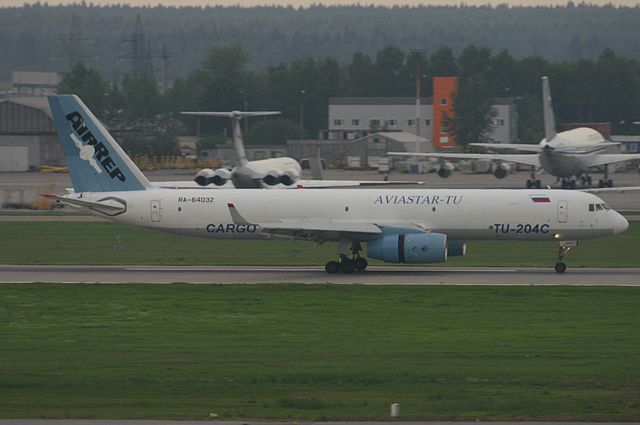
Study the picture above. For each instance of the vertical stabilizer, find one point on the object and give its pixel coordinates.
(547, 111)
(96, 162)
(237, 139)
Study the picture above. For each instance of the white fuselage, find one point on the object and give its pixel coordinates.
(464, 214)
(571, 152)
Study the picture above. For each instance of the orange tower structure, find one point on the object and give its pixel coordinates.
(444, 88)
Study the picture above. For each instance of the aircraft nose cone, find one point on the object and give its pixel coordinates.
(620, 224)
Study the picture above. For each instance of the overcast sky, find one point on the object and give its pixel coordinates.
(249, 3)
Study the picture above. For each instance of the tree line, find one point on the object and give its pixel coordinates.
(37, 37)
(605, 89)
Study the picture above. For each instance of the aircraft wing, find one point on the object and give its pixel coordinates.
(527, 159)
(597, 190)
(316, 229)
(610, 158)
(522, 147)
(317, 184)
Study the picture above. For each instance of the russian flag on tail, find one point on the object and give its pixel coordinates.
(538, 199)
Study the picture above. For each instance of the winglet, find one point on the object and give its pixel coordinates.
(236, 216)
(547, 111)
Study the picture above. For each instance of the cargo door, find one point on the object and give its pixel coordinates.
(155, 211)
(562, 211)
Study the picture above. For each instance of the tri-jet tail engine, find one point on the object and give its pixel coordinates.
(207, 176)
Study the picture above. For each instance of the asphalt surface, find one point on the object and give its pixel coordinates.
(151, 422)
(316, 275)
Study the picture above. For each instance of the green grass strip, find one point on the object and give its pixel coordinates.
(110, 243)
(319, 352)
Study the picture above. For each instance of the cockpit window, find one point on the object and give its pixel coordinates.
(599, 207)
(591, 207)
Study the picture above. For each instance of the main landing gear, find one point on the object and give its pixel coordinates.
(587, 181)
(568, 184)
(533, 183)
(565, 247)
(349, 259)
(605, 181)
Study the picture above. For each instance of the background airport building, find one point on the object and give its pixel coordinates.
(351, 118)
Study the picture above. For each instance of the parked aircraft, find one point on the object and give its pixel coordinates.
(398, 225)
(566, 155)
(283, 172)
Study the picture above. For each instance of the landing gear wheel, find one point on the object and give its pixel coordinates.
(601, 183)
(560, 267)
(529, 184)
(572, 184)
(361, 263)
(347, 266)
(538, 184)
(609, 183)
(332, 267)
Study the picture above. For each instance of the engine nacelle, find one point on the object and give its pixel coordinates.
(272, 177)
(206, 176)
(501, 170)
(445, 170)
(289, 176)
(456, 248)
(409, 248)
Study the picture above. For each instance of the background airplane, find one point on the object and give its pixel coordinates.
(283, 172)
(566, 155)
(398, 226)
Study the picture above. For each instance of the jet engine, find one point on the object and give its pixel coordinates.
(445, 169)
(206, 176)
(272, 177)
(286, 177)
(289, 177)
(409, 248)
(501, 170)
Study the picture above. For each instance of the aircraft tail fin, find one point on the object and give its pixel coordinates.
(547, 110)
(96, 162)
(235, 117)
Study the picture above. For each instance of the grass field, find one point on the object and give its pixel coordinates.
(319, 352)
(95, 243)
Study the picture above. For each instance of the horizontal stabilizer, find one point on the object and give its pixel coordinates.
(232, 114)
(110, 206)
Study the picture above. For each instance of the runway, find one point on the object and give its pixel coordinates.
(174, 422)
(170, 422)
(375, 275)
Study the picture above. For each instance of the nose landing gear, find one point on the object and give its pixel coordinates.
(565, 247)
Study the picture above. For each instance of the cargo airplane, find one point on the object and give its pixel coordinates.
(565, 155)
(414, 226)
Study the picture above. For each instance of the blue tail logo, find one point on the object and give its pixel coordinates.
(91, 148)
(96, 162)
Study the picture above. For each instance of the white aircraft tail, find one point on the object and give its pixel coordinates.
(235, 117)
(547, 110)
